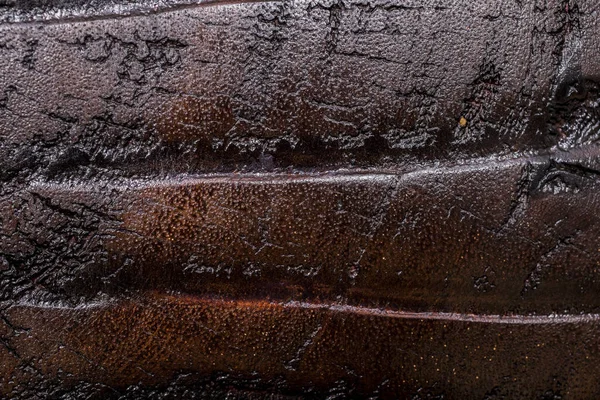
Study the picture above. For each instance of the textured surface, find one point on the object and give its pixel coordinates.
(331, 199)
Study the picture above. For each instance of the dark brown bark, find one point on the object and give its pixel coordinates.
(299, 199)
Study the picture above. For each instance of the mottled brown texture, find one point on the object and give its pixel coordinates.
(426, 240)
(390, 355)
(299, 199)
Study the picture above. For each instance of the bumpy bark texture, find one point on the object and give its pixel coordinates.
(299, 199)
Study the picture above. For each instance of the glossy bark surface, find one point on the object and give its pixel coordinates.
(330, 199)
